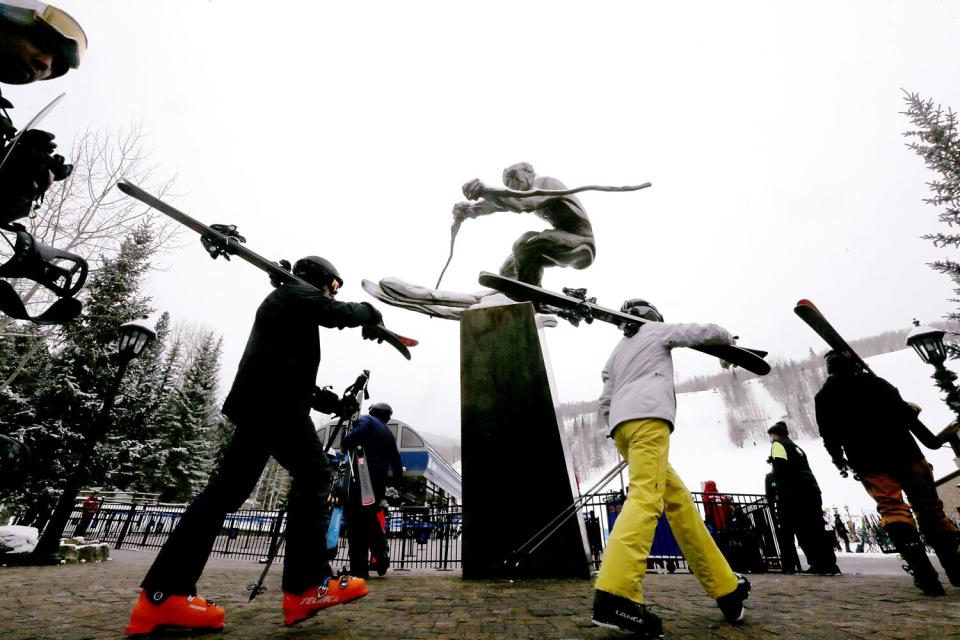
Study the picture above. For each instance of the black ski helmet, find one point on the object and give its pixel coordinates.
(58, 30)
(381, 410)
(317, 271)
(642, 309)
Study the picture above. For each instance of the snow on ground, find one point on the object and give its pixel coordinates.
(17, 539)
(701, 450)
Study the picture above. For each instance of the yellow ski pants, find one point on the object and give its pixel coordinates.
(655, 488)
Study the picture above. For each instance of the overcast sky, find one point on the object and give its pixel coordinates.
(772, 135)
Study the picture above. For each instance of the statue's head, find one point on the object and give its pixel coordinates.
(519, 176)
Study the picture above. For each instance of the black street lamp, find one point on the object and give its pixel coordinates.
(928, 343)
(133, 338)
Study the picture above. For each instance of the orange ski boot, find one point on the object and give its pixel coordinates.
(333, 591)
(193, 612)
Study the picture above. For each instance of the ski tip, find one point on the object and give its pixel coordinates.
(124, 186)
(803, 302)
(408, 342)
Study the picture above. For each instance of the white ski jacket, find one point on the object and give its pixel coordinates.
(638, 376)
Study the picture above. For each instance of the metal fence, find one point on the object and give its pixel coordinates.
(430, 537)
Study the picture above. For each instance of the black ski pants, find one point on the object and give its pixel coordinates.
(364, 534)
(803, 515)
(789, 561)
(293, 442)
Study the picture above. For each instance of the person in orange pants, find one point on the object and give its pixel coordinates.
(639, 405)
(864, 424)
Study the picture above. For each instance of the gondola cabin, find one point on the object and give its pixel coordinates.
(428, 477)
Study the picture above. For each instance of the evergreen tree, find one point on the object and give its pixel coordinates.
(66, 401)
(189, 445)
(936, 140)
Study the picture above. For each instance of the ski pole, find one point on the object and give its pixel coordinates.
(541, 536)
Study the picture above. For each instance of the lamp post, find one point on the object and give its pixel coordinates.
(133, 338)
(928, 343)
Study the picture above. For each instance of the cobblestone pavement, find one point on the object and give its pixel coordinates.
(93, 601)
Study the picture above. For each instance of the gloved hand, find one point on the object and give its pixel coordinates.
(324, 400)
(372, 332)
(391, 493)
(286, 266)
(347, 406)
(27, 174)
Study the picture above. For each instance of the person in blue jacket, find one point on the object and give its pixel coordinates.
(365, 534)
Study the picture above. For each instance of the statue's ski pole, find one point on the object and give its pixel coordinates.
(226, 244)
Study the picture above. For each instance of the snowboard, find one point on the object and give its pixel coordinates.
(809, 313)
(574, 306)
(232, 246)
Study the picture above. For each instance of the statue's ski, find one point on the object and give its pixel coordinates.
(574, 306)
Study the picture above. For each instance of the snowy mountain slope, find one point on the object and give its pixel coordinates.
(701, 448)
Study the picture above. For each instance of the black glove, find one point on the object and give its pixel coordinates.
(31, 168)
(286, 266)
(216, 246)
(324, 400)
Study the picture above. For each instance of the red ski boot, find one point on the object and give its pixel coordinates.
(333, 591)
(185, 612)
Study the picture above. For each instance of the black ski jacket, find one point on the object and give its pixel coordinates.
(380, 448)
(864, 417)
(793, 476)
(278, 369)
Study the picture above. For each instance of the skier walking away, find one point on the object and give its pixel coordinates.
(365, 533)
(864, 424)
(639, 406)
(269, 403)
(801, 504)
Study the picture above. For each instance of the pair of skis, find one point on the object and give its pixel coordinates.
(225, 241)
(339, 486)
(809, 313)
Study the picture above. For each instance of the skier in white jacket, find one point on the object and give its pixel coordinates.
(639, 406)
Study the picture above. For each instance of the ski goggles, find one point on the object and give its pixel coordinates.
(642, 309)
(56, 25)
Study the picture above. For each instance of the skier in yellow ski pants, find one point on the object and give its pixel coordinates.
(639, 405)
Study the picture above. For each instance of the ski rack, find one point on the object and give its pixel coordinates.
(524, 551)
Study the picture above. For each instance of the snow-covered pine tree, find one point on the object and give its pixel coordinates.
(936, 140)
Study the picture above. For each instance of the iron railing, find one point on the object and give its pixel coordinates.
(429, 537)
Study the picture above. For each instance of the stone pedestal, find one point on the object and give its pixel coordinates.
(517, 470)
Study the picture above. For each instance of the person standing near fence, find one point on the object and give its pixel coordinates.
(800, 501)
(638, 408)
(87, 511)
(269, 403)
(865, 426)
(365, 534)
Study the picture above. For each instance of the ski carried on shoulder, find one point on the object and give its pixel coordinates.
(574, 305)
(809, 313)
(226, 242)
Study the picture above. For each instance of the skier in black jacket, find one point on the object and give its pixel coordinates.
(269, 403)
(364, 531)
(800, 502)
(864, 424)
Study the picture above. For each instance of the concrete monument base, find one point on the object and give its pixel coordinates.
(517, 470)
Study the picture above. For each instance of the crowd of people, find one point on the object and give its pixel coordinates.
(863, 422)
